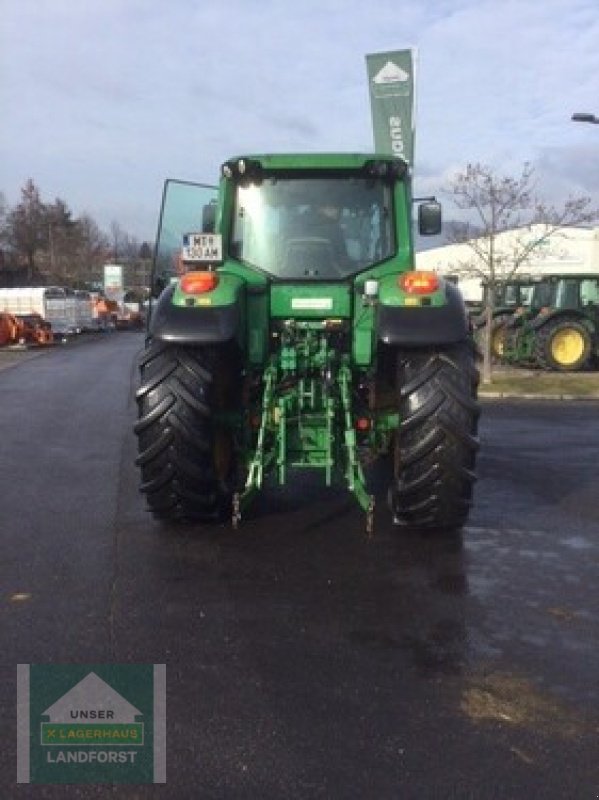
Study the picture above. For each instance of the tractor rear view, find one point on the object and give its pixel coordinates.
(290, 331)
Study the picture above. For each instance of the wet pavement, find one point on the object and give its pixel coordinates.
(304, 660)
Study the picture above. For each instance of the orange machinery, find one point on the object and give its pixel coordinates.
(9, 329)
(116, 315)
(24, 329)
(34, 329)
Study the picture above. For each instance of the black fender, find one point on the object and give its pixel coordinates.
(517, 321)
(417, 326)
(571, 313)
(192, 324)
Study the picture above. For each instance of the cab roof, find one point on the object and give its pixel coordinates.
(290, 161)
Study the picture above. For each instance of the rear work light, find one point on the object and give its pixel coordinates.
(199, 282)
(418, 282)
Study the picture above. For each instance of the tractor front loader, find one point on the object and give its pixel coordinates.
(289, 331)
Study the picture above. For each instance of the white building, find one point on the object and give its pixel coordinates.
(569, 250)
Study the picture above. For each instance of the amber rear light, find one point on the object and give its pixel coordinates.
(418, 282)
(199, 282)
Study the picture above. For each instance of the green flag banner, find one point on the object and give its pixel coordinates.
(392, 86)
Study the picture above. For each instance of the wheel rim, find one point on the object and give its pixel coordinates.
(567, 346)
(498, 342)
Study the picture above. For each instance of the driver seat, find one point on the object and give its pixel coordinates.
(308, 257)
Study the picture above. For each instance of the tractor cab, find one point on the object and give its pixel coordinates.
(292, 218)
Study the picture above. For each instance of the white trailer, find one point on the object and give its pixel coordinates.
(50, 302)
(71, 310)
(84, 311)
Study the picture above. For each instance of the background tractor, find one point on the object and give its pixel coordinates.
(289, 331)
(510, 297)
(511, 337)
(561, 330)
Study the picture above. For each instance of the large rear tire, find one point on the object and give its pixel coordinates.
(186, 460)
(563, 344)
(436, 441)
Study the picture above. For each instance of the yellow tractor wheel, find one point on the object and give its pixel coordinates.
(564, 344)
(498, 341)
(567, 346)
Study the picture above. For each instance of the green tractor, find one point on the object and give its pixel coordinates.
(511, 296)
(513, 341)
(561, 332)
(289, 331)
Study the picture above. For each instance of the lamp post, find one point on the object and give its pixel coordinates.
(585, 118)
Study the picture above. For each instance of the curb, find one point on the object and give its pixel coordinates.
(513, 396)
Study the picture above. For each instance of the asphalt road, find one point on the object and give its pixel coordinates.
(304, 660)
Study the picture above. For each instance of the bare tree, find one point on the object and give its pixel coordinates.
(498, 204)
(145, 251)
(131, 248)
(92, 248)
(57, 246)
(2, 213)
(61, 241)
(119, 240)
(25, 226)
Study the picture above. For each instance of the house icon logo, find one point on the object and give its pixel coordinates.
(92, 713)
(391, 73)
(90, 700)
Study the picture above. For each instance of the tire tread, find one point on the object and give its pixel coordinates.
(436, 441)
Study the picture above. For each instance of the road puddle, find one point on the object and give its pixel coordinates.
(515, 700)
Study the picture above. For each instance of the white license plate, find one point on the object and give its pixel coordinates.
(204, 248)
(312, 303)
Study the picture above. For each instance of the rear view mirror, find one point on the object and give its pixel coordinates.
(429, 218)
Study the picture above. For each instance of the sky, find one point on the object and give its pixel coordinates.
(102, 100)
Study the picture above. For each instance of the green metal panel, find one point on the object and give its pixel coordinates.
(310, 301)
(363, 331)
(251, 277)
(402, 202)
